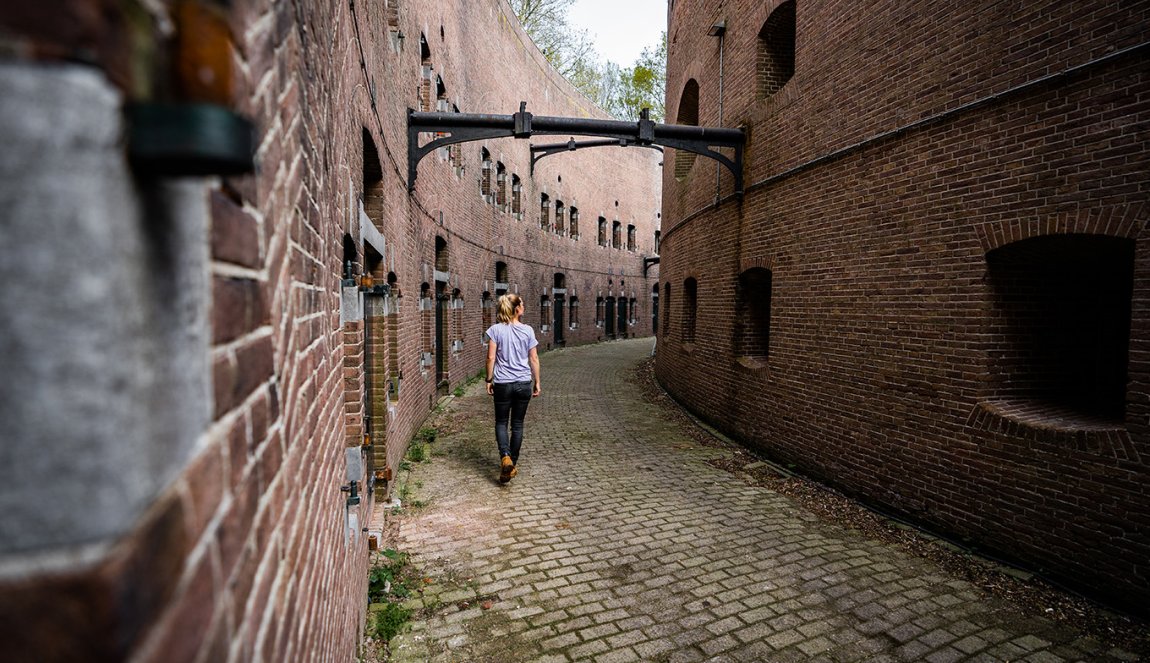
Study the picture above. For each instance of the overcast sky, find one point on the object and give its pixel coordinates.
(621, 29)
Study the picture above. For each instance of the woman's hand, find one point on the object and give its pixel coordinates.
(536, 390)
(490, 389)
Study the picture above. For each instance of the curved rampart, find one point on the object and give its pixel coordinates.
(932, 295)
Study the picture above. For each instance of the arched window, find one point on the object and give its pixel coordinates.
(776, 50)
(690, 308)
(616, 235)
(560, 227)
(392, 335)
(1061, 323)
(456, 321)
(753, 316)
(501, 283)
(516, 197)
(688, 114)
(426, 74)
(441, 263)
(544, 313)
(455, 152)
(630, 237)
(501, 186)
(544, 211)
(427, 322)
(602, 231)
(485, 188)
(487, 305)
(574, 225)
(350, 257)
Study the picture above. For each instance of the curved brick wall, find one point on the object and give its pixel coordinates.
(240, 546)
(906, 361)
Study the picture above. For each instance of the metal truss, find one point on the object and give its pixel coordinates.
(466, 127)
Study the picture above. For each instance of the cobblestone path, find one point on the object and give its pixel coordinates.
(619, 542)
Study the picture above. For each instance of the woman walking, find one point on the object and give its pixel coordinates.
(512, 377)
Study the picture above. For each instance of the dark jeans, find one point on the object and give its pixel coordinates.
(511, 400)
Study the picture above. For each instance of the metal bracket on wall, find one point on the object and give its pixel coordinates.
(466, 127)
(647, 262)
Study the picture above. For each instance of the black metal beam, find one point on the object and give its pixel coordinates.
(647, 262)
(540, 151)
(466, 127)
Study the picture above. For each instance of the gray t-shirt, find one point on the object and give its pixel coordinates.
(513, 343)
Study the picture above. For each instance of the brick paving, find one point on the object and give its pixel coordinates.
(618, 542)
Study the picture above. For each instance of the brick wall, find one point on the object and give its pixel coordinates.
(252, 552)
(891, 183)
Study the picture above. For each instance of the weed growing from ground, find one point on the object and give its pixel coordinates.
(387, 588)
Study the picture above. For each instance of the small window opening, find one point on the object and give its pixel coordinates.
(616, 235)
(485, 188)
(441, 255)
(630, 237)
(666, 304)
(544, 211)
(602, 231)
(501, 186)
(544, 313)
(516, 196)
(560, 227)
(690, 308)
(753, 316)
(574, 224)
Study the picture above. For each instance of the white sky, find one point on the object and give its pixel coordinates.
(621, 29)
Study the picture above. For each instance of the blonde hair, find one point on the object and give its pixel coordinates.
(507, 305)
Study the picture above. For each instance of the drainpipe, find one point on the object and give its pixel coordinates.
(719, 30)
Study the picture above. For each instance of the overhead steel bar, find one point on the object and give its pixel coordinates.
(540, 151)
(466, 127)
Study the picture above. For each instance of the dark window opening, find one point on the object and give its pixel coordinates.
(501, 185)
(350, 257)
(688, 114)
(630, 238)
(776, 54)
(616, 235)
(1061, 323)
(516, 196)
(690, 308)
(753, 315)
(602, 231)
(485, 175)
(658, 240)
(372, 168)
(441, 255)
(544, 211)
(666, 304)
(560, 228)
(573, 226)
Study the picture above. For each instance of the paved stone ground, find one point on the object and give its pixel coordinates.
(619, 542)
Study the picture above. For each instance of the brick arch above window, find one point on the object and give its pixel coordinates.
(1129, 221)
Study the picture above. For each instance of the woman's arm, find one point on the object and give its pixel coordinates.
(533, 359)
(491, 348)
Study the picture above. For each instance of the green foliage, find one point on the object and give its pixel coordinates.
(390, 620)
(386, 586)
(621, 92)
(417, 451)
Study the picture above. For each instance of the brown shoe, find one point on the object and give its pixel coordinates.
(506, 470)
